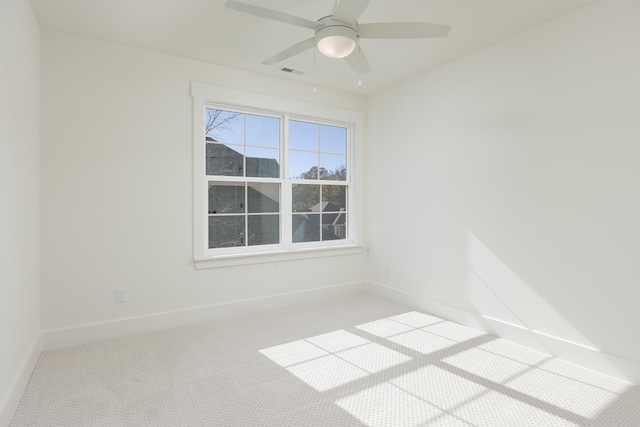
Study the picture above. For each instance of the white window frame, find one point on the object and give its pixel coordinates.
(220, 97)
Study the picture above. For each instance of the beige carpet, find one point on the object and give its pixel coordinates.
(353, 361)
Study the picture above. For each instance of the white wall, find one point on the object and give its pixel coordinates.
(19, 189)
(504, 187)
(117, 187)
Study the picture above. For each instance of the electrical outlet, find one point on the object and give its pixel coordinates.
(387, 269)
(121, 294)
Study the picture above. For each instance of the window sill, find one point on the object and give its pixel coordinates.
(234, 260)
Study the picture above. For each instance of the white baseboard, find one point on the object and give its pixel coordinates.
(579, 354)
(11, 401)
(610, 364)
(67, 337)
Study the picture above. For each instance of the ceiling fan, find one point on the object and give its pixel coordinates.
(337, 34)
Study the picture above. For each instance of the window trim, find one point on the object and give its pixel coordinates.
(205, 94)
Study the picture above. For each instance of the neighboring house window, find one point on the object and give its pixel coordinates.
(272, 180)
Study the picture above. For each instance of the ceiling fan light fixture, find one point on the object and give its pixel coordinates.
(336, 41)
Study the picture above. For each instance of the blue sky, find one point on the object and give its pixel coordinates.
(310, 144)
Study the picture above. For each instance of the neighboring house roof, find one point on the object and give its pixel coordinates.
(324, 207)
(222, 160)
(331, 213)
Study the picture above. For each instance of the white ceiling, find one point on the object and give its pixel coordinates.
(207, 31)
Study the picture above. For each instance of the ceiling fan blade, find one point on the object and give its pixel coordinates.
(350, 10)
(402, 30)
(292, 51)
(358, 61)
(272, 14)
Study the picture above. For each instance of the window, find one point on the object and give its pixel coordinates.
(318, 169)
(243, 165)
(273, 178)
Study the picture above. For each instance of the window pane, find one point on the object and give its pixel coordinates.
(263, 162)
(334, 198)
(224, 126)
(264, 230)
(226, 198)
(263, 198)
(334, 226)
(224, 160)
(226, 231)
(263, 131)
(303, 165)
(303, 136)
(334, 166)
(306, 228)
(333, 139)
(306, 198)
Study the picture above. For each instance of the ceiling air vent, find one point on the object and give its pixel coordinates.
(291, 70)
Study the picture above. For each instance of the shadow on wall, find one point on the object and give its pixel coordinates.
(515, 311)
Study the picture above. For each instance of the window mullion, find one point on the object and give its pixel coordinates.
(285, 206)
(320, 186)
(246, 213)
